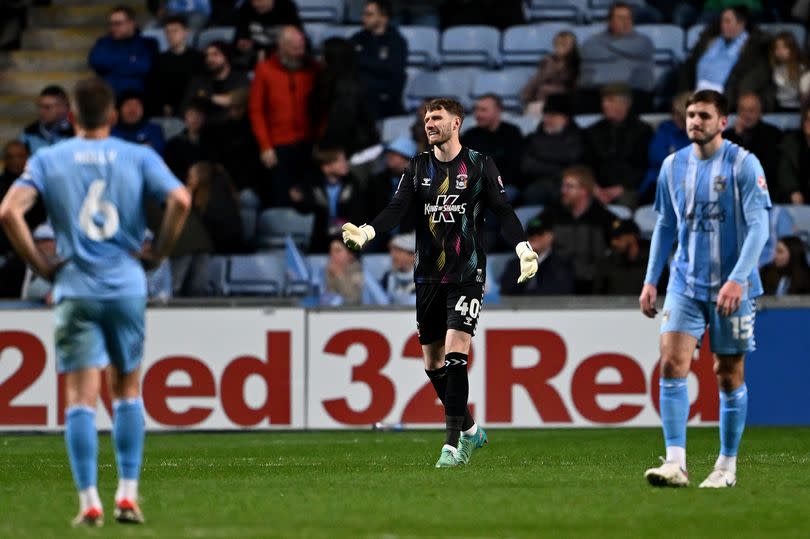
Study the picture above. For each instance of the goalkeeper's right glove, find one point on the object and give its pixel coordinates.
(528, 261)
(355, 237)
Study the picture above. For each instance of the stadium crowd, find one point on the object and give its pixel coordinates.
(269, 122)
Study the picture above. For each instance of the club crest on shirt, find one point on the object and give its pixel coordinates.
(763, 185)
(720, 184)
(461, 181)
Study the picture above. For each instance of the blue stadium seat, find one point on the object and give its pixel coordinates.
(573, 11)
(157, 34)
(170, 125)
(321, 10)
(801, 216)
(453, 82)
(584, 121)
(496, 263)
(423, 45)
(252, 275)
(527, 43)
(527, 124)
(526, 213)
(216, 275)
(668, 41)
(276, 223)
(473, 44)
(396, 126)
(645, 217)
(317, 265)
(774, 28)
(215, 33)
(783, 120)
(583, 32)
(621, 212)
(345, 32)
(376, 264)
(248, 224)
(506, 84)
(693, 36)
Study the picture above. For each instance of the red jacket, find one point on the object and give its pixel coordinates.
(279, 103)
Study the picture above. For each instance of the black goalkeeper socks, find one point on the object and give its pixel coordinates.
(438, 377)
(455, 395)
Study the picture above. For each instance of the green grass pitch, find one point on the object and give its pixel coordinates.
(532, 483)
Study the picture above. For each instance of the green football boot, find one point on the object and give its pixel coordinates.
(468, 444)
(447, 459)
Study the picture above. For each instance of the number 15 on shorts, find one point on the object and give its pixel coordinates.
(742, 327)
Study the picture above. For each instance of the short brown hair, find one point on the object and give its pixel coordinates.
(93, 98)
(712, 97)
(583, 174)
(324, 156)
(450, 105)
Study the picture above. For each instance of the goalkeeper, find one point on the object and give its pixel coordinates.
(446, 192)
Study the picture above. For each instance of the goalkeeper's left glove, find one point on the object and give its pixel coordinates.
(528, 261)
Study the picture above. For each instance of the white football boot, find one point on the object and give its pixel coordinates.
(669, 474)
(720, 478)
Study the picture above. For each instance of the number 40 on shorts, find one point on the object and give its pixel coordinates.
(473, 306)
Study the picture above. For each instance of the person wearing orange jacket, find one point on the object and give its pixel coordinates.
(279, 114)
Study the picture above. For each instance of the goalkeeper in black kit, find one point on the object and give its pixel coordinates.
(446, 191)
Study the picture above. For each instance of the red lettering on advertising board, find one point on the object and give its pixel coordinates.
(156, 390)
(502, 376)
(276, 374)
(378, 353)
(707, 404)
(32, 365)
(585, 388)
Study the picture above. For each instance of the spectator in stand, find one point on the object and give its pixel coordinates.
(217, 85)
(382, 54)
(13, 21)
(258, 29)
(619, 54)
(231, 143)
(498, 139)
(134, 126)
(12, 269)
(339, 104)
(185, 149)
(343, 277)
(53, 122)
(581, 225)
(620, 270)
(398, 282)
(36, 288)
(556, 145)
(557, 74)
(730, 57)
(214, 200)
(555, 274)
(788, 67)
(333, 196)
(792, 183)
(789, 272)
(195, 12)
(669, 137)
(381, 188)
(760, 138)
(781, 224)
(615, 148)
(279, 113)
(173, 70)
(123, 58)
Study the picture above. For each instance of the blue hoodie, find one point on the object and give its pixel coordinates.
(124, 63)
(668, 138)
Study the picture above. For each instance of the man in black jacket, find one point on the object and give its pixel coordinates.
(259, 23)
(173, 69)
(382, 54)
(625, 265)
(555, 274)
(759, 138)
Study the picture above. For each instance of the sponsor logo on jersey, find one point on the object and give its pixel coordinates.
(461, 181)
(425, 182)
(763, 185)
(720, 184)
(444, 208)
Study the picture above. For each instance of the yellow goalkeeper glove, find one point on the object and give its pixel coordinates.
(356, 236)
(528, 261)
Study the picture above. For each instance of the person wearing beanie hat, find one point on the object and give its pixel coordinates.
(556, 144)
(398, 281)
(555, 273)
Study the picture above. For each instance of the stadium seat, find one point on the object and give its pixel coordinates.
(783, 120)
(496, 263)
(345, 32)
(376, 265)
(215, 33)
(583, 32)
(472, 44)
(668, 40)
(506, 84)
(801, 216)
(423, 45)
(396, 126)
(584, 121)
(572, 11)
(526, 213)
(452, 82)
(621, 212)
(373, 292)
(276, 223)
(252, 275)
(248, 224)
(527, 43)
(774, 28)
(170, 125)
(527, 124)
(216, 275)
(314, 32)
(693, 36)
(158, 35)
(331, 11)
(645, 217)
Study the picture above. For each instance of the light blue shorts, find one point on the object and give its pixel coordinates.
(92, 333)
(729, 335)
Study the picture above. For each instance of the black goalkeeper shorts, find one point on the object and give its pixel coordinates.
(440, 307)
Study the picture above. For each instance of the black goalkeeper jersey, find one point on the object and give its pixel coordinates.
(446, 201)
